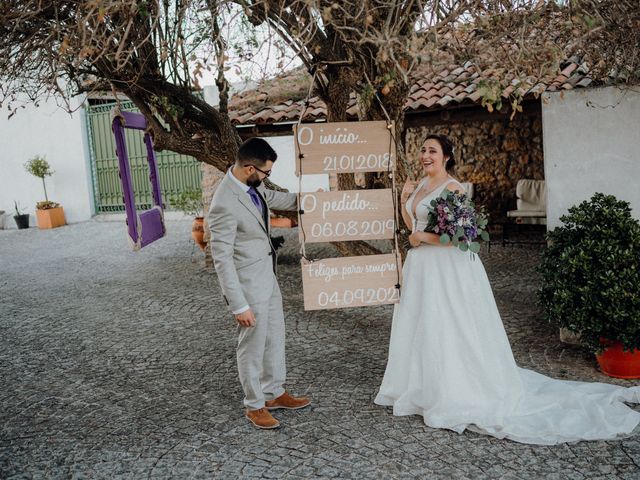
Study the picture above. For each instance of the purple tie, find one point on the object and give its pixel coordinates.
(253, 193)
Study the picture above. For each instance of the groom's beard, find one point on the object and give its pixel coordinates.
(254, 180)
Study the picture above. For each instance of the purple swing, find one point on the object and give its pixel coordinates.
(148, 226)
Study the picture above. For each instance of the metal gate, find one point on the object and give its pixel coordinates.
(177, 172)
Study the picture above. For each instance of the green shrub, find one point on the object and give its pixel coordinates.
(189, 201)
(38, 167)
(591, 273)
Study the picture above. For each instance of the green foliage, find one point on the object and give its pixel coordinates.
(465, 223)
(189, 201)
(143, 9)
(17, 208)
(365, 97)
(591, 273)
(490, 94)
(38, 167)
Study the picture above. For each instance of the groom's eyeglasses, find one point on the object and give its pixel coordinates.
(266, 174)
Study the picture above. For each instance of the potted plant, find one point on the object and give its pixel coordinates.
(22, 219)
(190, 202)
(591, 281)
(49, 214)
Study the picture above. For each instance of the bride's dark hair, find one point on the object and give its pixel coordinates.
(447, 148)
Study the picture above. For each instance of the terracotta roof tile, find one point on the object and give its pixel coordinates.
(475, 96)
(559, 80)
(444, 100)
(456, 90)
(585, 82)
(244, 118)
(423, 102)
(460, 97)
(452, 85)
(471, 88)
(568, 70)
(277, 116)
(318, 111)
(431, 102)
(508, 91)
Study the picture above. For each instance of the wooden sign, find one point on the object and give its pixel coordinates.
(346, 215)
(344, 147)
(350, 282)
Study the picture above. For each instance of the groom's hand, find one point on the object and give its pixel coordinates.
(246, 319)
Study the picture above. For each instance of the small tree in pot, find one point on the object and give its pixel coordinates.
(49, 214)
(591, 281)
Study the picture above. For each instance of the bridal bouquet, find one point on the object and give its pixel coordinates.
(453, 216)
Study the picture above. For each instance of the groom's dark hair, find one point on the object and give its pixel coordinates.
(256, 151)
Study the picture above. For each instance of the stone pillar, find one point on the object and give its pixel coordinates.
(211, 177)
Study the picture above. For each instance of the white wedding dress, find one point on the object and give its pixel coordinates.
(451, 362)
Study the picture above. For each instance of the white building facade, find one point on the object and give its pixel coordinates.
(591, 141)
(61, 138)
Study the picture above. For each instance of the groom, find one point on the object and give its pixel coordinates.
(245, 261)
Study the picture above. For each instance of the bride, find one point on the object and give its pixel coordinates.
(449, 357)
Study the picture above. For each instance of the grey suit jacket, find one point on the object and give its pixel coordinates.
(243, 255)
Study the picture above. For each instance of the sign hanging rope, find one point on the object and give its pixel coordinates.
(299, 165)
(348, 147)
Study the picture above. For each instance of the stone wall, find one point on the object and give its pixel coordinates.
(493, 155)
(211, 177)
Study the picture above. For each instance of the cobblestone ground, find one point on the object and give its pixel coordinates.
(121, 365)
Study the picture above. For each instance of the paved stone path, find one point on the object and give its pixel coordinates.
(121, 365)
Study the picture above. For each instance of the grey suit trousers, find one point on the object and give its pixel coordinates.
(260, 353)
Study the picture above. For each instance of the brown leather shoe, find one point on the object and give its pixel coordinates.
(287, 401)
(261, 418)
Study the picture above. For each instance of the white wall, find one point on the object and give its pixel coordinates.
(50, 131)
(284, 169)
(591, 143)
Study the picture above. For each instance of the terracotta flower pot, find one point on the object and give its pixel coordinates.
(283, 222)
(615, 362)
(197, 232)
(50, 218)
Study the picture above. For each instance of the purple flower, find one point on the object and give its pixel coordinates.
(452, 214)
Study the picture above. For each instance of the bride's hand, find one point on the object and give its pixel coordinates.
(415, 239)
(407, 190)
